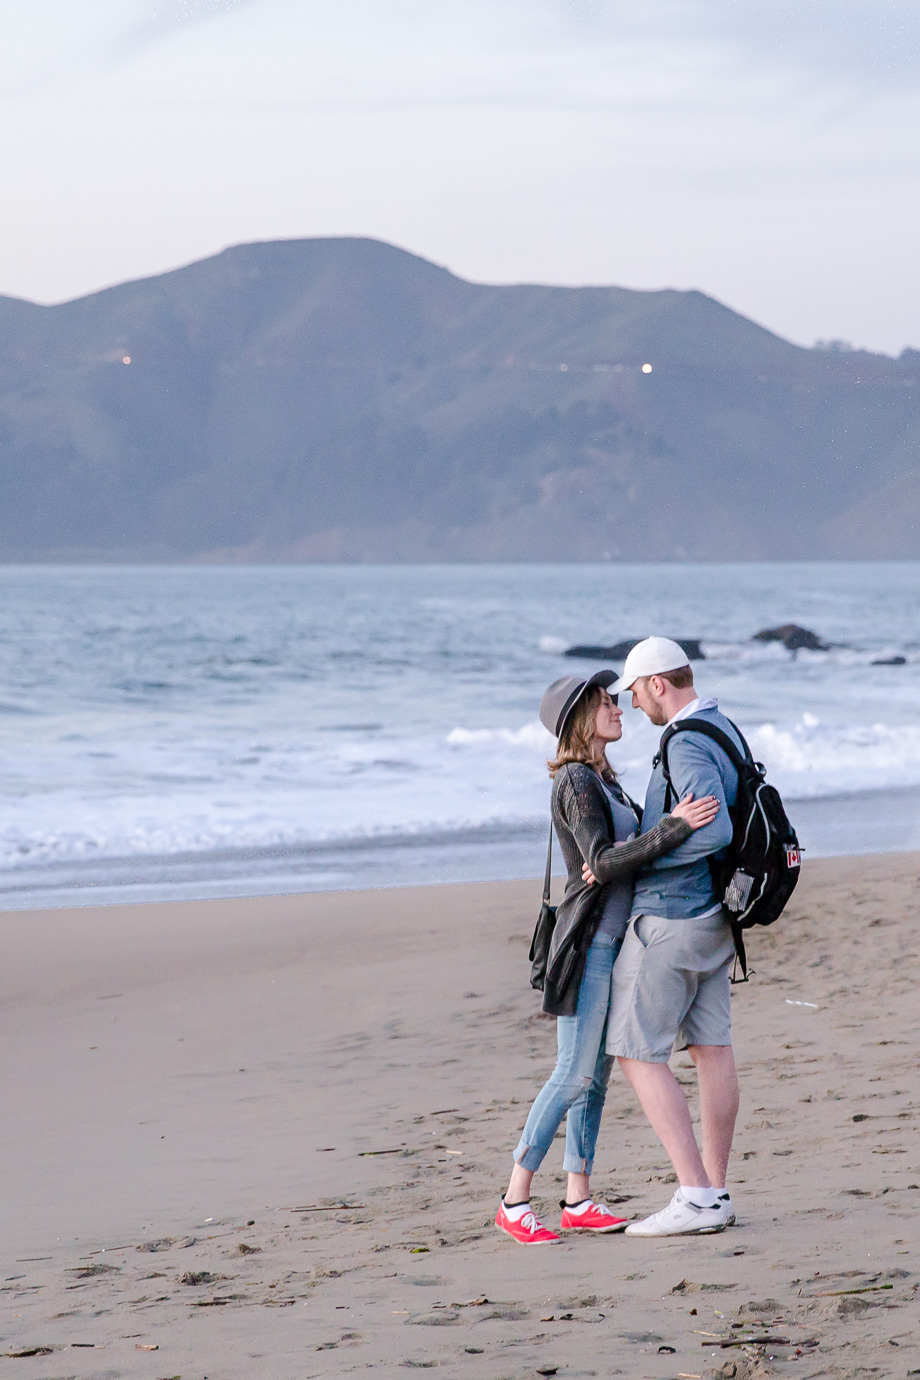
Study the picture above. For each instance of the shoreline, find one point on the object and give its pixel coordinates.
(335, 1083)
(844, 825)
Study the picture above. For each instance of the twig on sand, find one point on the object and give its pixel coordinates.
(725, 1342)
(334, 1207)
(767, 1340)
(866, 1289)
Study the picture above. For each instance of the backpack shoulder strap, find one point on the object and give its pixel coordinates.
(619, 794)
(744, 742)
(709, 730)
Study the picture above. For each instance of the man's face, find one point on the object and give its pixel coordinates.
(644, 698)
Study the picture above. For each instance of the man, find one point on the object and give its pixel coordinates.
(671, 981)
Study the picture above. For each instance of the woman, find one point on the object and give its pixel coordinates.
(595, 823)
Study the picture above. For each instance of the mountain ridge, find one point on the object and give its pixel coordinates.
(343, 399)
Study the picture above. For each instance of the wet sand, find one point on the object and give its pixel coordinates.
(268, 1137)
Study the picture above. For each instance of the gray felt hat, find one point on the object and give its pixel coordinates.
(562, 696)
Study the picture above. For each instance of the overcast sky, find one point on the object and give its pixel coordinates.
(764, 151)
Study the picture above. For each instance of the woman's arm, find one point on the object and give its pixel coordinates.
(586, 817)
(620, 859)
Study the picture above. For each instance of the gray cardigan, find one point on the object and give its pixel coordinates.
(584, 828)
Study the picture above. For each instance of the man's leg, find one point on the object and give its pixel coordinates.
(665, 1105)
(674, 986)
(719, 1098)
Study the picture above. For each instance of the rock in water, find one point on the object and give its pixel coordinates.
(620, 650)
(890, 661)
(793, 638)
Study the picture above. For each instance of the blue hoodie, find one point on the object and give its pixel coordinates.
(678, 886)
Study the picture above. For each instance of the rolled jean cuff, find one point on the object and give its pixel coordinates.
(530, 1157)
(572, 1165)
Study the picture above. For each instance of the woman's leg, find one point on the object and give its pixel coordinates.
(550, 1106)
(581, 1130)
(579, 1041)
(584, 1116)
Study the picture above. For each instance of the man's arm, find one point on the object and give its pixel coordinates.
(694, 767)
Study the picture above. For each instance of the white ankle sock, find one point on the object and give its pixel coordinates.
(516, 1212)
(702, 1197)
(579, 1208)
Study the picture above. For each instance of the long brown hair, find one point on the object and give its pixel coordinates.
(577, 741)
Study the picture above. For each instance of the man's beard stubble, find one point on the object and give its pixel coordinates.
(656, 715)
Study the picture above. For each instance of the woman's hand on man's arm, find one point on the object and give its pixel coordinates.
(697, 813)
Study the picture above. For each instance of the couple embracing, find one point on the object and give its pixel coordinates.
(648, 944)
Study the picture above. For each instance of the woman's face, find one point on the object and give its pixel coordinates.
(608, 724)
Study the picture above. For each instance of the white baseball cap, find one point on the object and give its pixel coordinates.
(650, 657)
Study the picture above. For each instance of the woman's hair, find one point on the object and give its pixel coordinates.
(576, 743)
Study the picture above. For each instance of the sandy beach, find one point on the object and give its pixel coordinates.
(267, 1138)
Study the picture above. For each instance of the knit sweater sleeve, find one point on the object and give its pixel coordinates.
(580, 805)
(611, 862)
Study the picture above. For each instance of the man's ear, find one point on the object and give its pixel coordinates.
(657, 686)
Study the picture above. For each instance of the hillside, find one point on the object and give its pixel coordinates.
(341, 399)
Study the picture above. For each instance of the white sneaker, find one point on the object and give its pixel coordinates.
(681, 1218)
(725, 1203)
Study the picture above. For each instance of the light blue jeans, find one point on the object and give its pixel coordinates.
(577, 1087)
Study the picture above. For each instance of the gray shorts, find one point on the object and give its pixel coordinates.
(671, 986)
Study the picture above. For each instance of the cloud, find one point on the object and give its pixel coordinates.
(548, 54)
(868, 41)
(162, 16)
(558, 54)
(50, 43)
(491, 54)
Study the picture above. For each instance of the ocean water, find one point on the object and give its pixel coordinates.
(172, 732)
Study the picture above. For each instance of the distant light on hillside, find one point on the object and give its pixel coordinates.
(126, 359)
(646, 368)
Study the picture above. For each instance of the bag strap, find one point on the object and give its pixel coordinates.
(709, 730)
(628, 801)
(547, 884)
(740, 956)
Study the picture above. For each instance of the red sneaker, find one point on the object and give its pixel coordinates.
(529, 1231)
(596, 1217)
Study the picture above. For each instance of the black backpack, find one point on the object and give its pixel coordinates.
(762, 864)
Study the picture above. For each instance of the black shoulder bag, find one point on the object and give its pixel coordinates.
(546, 923)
